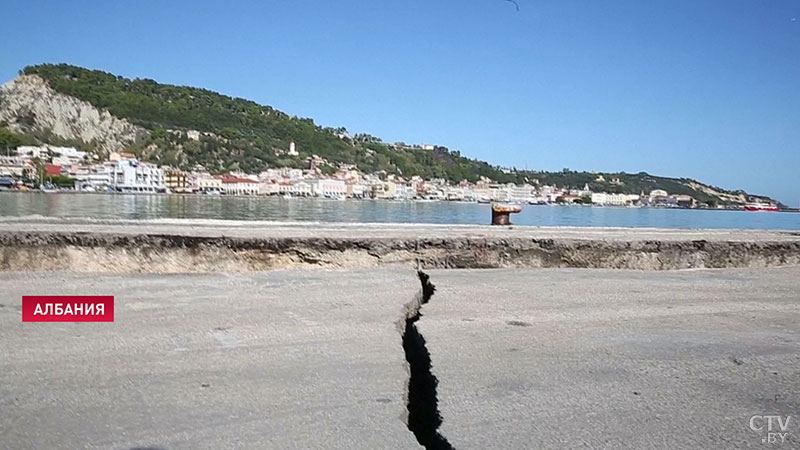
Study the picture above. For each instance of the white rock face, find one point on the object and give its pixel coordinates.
(63, 115)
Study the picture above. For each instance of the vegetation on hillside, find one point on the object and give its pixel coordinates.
(238, 134)
(10, 140)
(241, 134)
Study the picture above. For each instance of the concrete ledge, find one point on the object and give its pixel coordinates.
(180, 246)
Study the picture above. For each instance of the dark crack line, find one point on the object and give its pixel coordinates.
(424, 418)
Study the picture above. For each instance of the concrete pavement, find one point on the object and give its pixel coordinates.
(601, 359)
(279, 360)
(545, 359)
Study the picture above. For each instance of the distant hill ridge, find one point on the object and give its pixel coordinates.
(185, 126)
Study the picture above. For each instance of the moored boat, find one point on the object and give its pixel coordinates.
(767, 207)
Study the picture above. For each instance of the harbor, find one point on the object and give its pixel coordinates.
(500, 225)
(278, 209)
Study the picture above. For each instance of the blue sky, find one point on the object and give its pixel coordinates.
(703, 89)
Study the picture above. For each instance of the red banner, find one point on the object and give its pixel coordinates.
(68, 308)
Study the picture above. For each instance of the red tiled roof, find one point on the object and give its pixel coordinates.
(52, 169)
(230, 179)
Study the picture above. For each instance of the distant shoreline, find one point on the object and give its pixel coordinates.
(196, 195)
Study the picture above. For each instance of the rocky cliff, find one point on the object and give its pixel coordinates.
(29, 106)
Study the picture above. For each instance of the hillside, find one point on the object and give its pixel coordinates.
(185, 126)
(240, 134)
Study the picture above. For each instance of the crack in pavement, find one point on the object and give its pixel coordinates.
(423, 417)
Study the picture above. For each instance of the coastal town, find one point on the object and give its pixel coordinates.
(52, 169)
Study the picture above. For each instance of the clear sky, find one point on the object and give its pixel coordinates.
(703, 89)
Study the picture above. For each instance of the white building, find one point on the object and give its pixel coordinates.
(520, 194)
(357, 190)
(658, 193)
(603, 198)
(62, 156)
(327, 187)
(15, 166)
(403, 191)
(96, 177)
(453, 193)
(268, 188)
(209, 184)
(585, 192)
(131, 175)
(240, 186)
(296, 189)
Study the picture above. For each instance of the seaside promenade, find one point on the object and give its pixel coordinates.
(526, 338)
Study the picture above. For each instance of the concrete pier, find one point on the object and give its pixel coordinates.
(546, 358)
(546, 338)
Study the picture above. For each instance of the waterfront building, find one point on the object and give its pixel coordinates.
(356, 190)
(383, 190)
(328, 187)
(93, 178)
(51, 170)
(15, 166)
(208, 184)
(499, 193)
(603, 198)
(454, 194)
(395, 190)
(176, 180)
(403, 191)
(686, 201)
(132, 175)
(234, 185)
(520, 194)
(269, 188)
(569, 198)
(294, 189)
(585, 192)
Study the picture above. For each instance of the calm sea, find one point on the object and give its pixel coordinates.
(143, 207)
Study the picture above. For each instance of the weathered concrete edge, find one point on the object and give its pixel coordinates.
(178, 253)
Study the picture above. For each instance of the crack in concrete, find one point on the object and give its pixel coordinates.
(422, 403)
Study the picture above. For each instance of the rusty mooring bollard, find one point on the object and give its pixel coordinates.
(501, 213)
